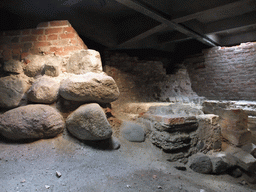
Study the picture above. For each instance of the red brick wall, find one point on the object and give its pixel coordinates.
(227, 73)
(57, 37)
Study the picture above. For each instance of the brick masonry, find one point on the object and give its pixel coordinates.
(57, 37)
(224, 73)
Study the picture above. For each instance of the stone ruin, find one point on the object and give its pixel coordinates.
(44, 94)
(38, 94)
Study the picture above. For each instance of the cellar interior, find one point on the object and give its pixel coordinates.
(128, 95)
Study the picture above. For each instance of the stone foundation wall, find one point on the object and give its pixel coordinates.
(147, 81)
(224, 73)
(57, 37)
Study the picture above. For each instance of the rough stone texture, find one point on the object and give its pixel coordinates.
(84, 61)
(12, 90)
(218, 165)
(233, 124)
(200, 163)
(90, 87)
(53, 66)
(249, 107)
(145, 81)
(133, 132)
(89, 122)
(31, 122)
(250, 148)
(170, 142)
(44, 90)
(209, 132)
(242, 158)
(224, 73)
(13, 66)
(35, 65)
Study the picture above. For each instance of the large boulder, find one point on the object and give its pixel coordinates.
(200, 163)
(84, 61)
(90, 87)
(31, 122)
(38, 64)
(12, 90)
(132, 132)
(89, 122)
(35, 65)
(44, 90)
(13, 66)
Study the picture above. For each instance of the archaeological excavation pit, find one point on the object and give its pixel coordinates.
(116, 96)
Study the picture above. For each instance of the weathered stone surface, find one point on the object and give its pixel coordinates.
(89, 122)
(84, 61)
(235, 172)
(31, 122)
(13, 66)
(250, 148)
(132, 132)
(12, 90)
(177, 110)
(90, 87)
(242, 158)
(209, 132)
(218, 165)
(52, 69)
(200, 163)
(35, 65)
(170, 142)
(44, 90)
(233, 124)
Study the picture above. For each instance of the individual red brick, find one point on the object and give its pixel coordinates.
(41, 38)
(71, 48)
(37, 31)
(42, 44)
(56, 50)
(73, 42)
(63, 42)
(12, 33)
(53, 30)
(59, 23)
(52, 37)
(28, 38)
(67, 36)
(42, 25)
(26, 32)
(69, 30)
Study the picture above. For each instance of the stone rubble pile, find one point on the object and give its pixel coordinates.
(176, 128)
(28, 89)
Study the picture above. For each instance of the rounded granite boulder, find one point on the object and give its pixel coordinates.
(31, 122)
(89, 122)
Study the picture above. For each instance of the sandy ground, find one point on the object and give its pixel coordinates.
(88, 167)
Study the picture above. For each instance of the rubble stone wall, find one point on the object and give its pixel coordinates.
(146, 80)
(224, 73)
(57, 37)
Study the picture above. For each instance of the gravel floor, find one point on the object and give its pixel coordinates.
(91, 167)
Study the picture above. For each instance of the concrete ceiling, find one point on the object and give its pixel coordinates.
(142, 24)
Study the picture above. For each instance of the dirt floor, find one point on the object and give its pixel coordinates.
(93, 167)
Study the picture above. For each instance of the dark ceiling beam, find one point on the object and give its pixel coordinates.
(225, 11)
(143, 35)
(172, 37)
(161, 18)
(238, 38)
(237, 22)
